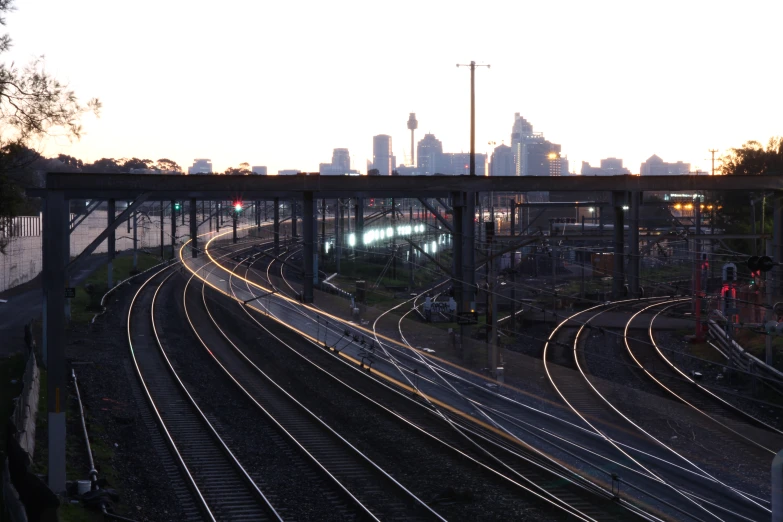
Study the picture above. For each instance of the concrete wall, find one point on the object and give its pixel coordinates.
(22, 261)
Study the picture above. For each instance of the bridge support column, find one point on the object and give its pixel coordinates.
(512, 214)
(111, 239)
(633, 240)
(293, 219)
(193, 229)
(308, 230)
(174, 230)
(55, 236)
(338, 236)
(234, 219)
(359, 217)
(276, 226)
(457, 223)
(618, 273)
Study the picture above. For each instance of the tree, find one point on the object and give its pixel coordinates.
(736, 208)
(166, 164)
(33, 104)
(105, 165)
(242, 170)
(752, 159)
(136, 163)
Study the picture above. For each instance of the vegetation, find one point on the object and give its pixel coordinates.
(752, 159)
(33, 104)
(88, 295)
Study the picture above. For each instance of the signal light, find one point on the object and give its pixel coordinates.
(237, 206)
(177, 205)
(762, 264)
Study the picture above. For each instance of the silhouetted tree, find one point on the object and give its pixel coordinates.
(103, 165)
(167, 164)
(136, 163)
(752, 159)
(70, 161)
(242, 170)
(33, 104)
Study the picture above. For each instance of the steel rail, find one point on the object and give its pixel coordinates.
(192, 477)
(584, 417)
(426, 510)
(582, 371)
(407, 421)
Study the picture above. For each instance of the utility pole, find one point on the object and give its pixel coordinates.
(472, 66)
(713, 151)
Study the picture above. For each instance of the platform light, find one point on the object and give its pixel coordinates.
(352, 240)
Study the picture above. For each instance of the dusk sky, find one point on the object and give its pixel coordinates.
(283, 83)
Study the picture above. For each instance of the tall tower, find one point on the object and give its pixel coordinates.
(412, 125)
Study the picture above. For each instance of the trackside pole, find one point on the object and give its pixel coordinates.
(777, 487)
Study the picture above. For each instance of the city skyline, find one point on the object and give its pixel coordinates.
(606, 84)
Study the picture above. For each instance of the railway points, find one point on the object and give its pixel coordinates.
(515, 388)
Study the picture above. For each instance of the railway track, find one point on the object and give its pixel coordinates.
(222, 488)
(595, 409)
(488, 449)
(759, 440)
(368, 491)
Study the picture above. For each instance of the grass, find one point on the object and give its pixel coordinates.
(77, 513)
(86, 304)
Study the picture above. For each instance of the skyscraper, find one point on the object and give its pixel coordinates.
(340, 165)
(382, 154)
(430, 154)
(502, 161)
(534, 155)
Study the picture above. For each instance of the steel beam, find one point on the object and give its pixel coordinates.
(276, 226)
(167, 187)
(105, 234)
(111, 225)
(294, 232)
(359, 217)
(55, 236)
(173, 231)
(457, 249)
(618, 274)
(193, 229)
(435, 212)
(75, 222)
(308, 215)
(634, 259)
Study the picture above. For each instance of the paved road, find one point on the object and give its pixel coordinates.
(20, 308)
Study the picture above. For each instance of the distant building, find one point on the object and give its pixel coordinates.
(258, 170)
(458, 164)
(655, 166)
(382, 158)
(534, 155)
(429, 154)
(340, 165)
(502, 163)
(201, 166)
(288, 172)
(609, 167)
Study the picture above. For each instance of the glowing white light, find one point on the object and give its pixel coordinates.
(352, 239)
(326, 247)
(434, 247)
(390, 232)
